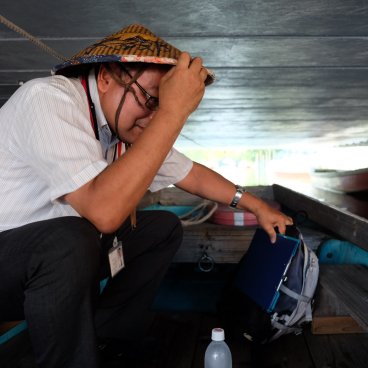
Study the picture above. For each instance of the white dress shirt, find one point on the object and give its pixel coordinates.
(48, 149)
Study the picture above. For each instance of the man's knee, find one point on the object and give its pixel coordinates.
(73, 249)
(172, 223)
(170, 229)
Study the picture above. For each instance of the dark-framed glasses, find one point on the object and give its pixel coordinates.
(152, 102)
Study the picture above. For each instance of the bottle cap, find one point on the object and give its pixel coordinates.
(218, 334)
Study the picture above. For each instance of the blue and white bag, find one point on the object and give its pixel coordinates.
(294, 305)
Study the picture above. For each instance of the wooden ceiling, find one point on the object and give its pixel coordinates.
(289, 73)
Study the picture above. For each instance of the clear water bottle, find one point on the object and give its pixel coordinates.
(218, 354)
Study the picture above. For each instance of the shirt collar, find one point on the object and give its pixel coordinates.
(107, 138)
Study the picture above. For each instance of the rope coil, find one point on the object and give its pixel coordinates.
(199, 214)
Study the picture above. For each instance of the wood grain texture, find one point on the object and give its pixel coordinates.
(337, 220)
(287, 73)
(349, 284)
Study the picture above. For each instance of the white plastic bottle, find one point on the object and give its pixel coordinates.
(218, 354)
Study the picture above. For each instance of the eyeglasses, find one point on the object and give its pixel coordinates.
(152, 102)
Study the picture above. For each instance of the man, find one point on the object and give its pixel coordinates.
(66, 192)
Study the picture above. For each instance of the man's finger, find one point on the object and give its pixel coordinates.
(273, 237)
(271, 233)
(282, 228)
(184, 60)
(203, 74)
(196, 64)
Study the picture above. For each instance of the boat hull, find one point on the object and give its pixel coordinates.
(341, 181)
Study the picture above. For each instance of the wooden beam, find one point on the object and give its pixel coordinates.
(341, 222)
(322, 325)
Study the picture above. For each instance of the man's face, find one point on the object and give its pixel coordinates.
(134, 116)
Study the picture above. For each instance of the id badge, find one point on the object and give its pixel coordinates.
(116, 257)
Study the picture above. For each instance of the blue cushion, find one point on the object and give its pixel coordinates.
(335, 251)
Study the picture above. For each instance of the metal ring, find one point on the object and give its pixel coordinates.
(206, 263)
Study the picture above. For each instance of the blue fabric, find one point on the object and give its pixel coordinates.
(341, 252)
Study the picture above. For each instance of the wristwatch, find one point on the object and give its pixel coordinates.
(238, 194)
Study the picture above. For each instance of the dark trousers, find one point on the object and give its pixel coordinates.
(50, 272)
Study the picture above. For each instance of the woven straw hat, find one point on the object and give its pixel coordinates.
(134, 43)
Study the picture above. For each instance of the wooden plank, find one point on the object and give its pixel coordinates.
(255, 114)
(14, 76)
(289, 351)
(212, 18)
(326, 303)
(178, 334)
(224, 244)
(322, 325)
(266, 79)
(343, 223)
(349, 284)
(245, 51)
(330, 316)
(350, 350)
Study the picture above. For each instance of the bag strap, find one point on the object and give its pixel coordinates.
(282, 327)
(294, 295)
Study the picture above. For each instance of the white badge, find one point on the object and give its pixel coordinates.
(116, 257)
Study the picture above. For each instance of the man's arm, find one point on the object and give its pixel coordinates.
(208, 184)
(108, 199)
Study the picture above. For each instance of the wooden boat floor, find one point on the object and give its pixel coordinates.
(184, 337)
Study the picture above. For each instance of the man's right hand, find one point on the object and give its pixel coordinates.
(182, 88)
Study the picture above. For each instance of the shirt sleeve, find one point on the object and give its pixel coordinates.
(60, 143)
(175, 168)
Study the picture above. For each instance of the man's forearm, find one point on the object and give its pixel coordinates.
(108, 199)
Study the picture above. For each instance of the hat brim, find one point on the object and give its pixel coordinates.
(77, 65)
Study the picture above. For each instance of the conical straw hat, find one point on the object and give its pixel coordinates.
(134, 43)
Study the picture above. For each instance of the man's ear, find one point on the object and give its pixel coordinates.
(104, 79)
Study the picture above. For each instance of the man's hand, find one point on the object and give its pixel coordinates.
(182, 88)
(269, 218)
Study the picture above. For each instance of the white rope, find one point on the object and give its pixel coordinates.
(33, 39)
(199, 214)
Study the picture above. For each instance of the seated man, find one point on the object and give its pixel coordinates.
(68, 190)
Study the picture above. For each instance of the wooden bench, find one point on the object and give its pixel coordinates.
(342, 300)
